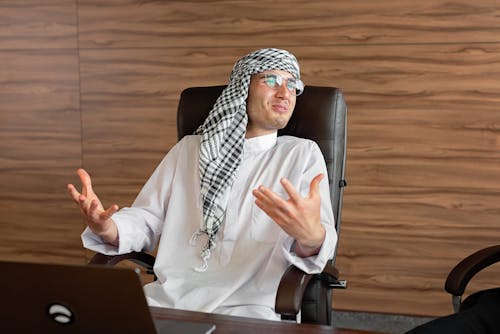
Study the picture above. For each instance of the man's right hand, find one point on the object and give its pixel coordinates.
(98, 219)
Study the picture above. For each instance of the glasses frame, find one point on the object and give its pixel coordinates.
(294, 86)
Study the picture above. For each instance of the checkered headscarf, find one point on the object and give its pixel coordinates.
(223, 134)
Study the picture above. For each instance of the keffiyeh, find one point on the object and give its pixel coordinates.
(222, 137)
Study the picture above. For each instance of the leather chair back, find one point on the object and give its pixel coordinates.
(320, 114)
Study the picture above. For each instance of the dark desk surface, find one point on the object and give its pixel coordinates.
(240, 325)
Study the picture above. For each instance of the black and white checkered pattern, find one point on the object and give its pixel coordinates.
(223, 134)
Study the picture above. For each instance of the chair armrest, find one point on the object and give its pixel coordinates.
(293, 285)
(462, 273)
(143, 259)
(291, 290)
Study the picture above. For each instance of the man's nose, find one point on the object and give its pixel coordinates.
(283, 91)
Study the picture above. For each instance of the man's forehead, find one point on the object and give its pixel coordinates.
(284, 74)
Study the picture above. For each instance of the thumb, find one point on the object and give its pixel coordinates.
(314, 186)
(105, 215)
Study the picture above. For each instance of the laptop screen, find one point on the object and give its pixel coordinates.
(54, 298)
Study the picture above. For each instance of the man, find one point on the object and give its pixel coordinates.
(230, 207)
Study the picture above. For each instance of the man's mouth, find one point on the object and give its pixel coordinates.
(280, 108)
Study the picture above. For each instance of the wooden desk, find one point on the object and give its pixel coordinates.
(240, 325)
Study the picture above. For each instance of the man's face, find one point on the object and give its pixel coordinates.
(268, 109)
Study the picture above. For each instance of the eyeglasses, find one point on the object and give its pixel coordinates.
(275, 81)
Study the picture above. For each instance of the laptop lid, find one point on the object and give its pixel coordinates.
(54, 298)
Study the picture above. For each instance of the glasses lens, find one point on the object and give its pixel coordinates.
(291, 84)
(271, 80)
(295, 86)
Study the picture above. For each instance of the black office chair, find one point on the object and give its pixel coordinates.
(479, 312)
(321, 115)
(464, 271)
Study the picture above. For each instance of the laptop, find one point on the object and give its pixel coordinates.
(53, 298)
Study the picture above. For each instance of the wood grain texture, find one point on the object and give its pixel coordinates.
(99, 87)
(422, 157)
(39, 148)
(124, 24)
(423, 168)
(33, 24)
(129, 104)
(421, 119)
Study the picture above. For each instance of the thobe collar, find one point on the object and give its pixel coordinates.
(259, 144)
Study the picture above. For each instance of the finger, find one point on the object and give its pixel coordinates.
(82, 198)
(260, 196)
(277, 215)
(264, 203)
(93, 210)
(105, 215)
(290, 189)
(82, 201)
(268, 196)
(85, 180)
(276, 207)
(84, 205)
(75, 195)
(314, 186)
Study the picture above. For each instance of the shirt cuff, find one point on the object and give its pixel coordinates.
(316, 263)
(95, 243)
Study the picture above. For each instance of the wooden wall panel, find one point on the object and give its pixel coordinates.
(420, 79)
(124, 24)
(40, 142)
(40, 148)
(129, 103)
(422, 168)
(34, 24)
(422, 161)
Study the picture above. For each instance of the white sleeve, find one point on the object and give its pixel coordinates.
(140, 226)
(316, 263)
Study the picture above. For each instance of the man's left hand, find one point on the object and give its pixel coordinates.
(298, 216)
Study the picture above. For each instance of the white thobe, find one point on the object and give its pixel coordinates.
(252, 251)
